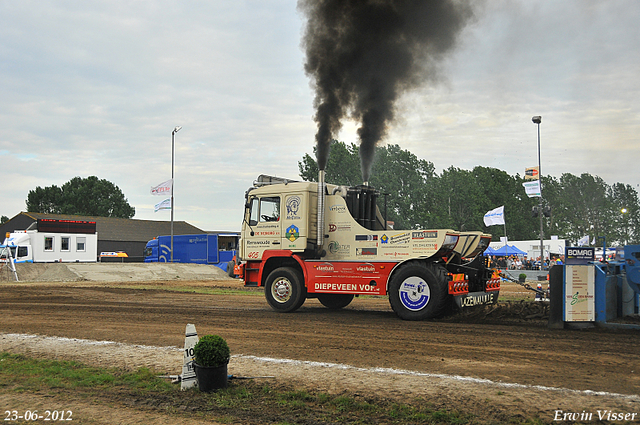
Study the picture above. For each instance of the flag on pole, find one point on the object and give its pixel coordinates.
(583, 241)
(532, 189)
(163, 188)
(494, 217)
(164, 205)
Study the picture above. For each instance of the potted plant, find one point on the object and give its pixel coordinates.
(522, 277)
(211, 357)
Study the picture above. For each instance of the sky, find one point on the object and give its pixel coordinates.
(95, 88)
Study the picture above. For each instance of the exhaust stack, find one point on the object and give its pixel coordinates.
(321, 201)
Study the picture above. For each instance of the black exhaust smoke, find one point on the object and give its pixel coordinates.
(363, 54)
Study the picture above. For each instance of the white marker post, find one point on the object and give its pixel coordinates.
(188, 379)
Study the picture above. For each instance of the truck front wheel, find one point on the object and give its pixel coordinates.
(335, 301)
(284, 289)
(418, 291)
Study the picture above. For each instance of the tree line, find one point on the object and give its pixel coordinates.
(418, 198)
(81, 196)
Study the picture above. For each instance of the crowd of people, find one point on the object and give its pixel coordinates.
(517, 262)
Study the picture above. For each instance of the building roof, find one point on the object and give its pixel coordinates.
(115, 229)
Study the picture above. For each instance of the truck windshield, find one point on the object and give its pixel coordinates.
(4, 252)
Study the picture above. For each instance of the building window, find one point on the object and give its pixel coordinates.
(48, 243)
(81, 244)
(64, 243)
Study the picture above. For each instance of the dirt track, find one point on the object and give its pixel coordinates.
(365, 336)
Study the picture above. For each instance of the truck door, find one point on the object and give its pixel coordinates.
(265, 227)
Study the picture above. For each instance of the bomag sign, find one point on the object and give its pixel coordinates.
(579, 255)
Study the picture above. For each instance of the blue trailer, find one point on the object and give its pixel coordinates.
(218, 249)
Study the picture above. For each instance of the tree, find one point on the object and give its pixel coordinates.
(458, 199)
(626, 213)
(78, 196)
(4, 219)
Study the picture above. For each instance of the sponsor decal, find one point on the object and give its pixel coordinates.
(402, 238)
(425, 235)
(339, 227)
(366, 268)
(269, 226)
(396, 254)
(366, 251)
(325, 267)
(292, 233)
(414, 293)
(384, 239)
(338, 249)
(197, 239)
(293, 205)
(349, 287)
(338, 208)
(579, 256)
(425, 245)
(343, 287)
(366, 237)
(267, 233)
(258, 243)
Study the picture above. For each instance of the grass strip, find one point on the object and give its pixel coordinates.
(244, 401)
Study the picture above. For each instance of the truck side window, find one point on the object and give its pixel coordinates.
(48, 243)
(270, 209)
(255, 212)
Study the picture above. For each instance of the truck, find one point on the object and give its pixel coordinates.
(304, 240)
(52, 240)
(218, 249)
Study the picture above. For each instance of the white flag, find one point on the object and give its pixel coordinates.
(494, 217)
(583, 241)
(164, 205)
(532, 189)
(163, 188)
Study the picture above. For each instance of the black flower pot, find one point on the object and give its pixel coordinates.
(211, 378)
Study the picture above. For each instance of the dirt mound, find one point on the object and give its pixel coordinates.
(42, 272)
(113, 272)
(524, 311)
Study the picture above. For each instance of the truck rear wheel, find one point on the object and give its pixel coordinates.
(335, 301)
(230, 265)
(418, 291)
(284, 289)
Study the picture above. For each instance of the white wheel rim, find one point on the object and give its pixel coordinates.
(281, 290)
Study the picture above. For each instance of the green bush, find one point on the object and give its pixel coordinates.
(211, 351)
(523, 276)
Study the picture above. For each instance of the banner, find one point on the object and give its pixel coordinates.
(163, 188)
(532, 189)
(531, 173)
(164, 205)
(494, 217)
(584, 241)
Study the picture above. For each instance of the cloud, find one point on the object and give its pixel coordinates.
(95, 88)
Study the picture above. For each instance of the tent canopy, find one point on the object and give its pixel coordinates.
(508, 250)
(488, 251)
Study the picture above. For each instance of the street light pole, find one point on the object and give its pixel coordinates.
(624, 212)
(173, 137)
(537, 120)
